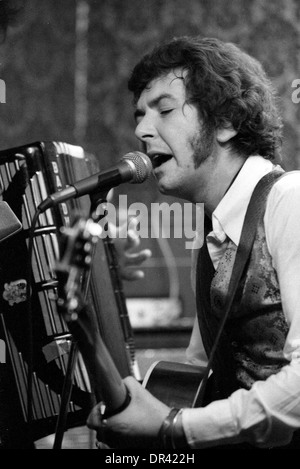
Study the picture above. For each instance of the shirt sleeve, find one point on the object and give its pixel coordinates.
(195, 352)
(268, 413)
(264, 416)
(282, 221)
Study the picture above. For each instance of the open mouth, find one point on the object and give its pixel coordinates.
(159, 159)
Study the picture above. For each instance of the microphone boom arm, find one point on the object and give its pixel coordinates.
(134, 167)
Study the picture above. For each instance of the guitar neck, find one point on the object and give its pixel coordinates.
(105, 379)
(73, 271)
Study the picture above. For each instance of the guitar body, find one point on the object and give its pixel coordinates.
(175, 384)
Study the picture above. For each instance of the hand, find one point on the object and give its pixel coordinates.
(126, 240)
(135, 427)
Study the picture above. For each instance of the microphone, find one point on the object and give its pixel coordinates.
(9, 223)
(134, 167)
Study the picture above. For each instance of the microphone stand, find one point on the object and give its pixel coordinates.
(65, 396)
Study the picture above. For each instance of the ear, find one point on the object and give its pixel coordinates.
(224, 134)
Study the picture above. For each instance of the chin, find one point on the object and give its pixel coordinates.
(167, 185)
(162, 186)
(173, 191)
(167, 189)
(162, 189)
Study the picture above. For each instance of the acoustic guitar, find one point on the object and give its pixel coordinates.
(176, 384)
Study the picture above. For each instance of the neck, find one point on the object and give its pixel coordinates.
(220, 179)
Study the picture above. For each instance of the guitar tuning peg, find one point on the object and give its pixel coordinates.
(94, 228)
(88, 260)
(87, 247)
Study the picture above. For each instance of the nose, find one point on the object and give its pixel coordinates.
(145, 129)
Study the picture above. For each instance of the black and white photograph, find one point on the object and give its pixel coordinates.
(150, 227)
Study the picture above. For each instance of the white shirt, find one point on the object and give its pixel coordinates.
(266, 414)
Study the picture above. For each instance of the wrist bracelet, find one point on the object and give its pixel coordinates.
(174, 436)
(167, 433)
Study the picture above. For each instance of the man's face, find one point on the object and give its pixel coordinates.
(173, 136)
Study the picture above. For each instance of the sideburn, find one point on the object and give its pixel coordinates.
(203, 143)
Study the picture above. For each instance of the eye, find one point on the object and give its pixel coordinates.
(166, 111)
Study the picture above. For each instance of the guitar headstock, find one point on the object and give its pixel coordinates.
(77, 243)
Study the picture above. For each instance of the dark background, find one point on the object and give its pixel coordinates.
(57, 41)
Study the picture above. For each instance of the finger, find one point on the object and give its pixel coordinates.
(133, 240)
(95, 418)
(128, 274)
(132, 224)
(133, 235)
(137, 258)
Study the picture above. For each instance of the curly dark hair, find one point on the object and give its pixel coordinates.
(227, 86)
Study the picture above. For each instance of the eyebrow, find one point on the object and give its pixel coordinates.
(153, 103)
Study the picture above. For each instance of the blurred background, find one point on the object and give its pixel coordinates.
(66, 65)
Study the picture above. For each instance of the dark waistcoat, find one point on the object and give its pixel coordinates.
(256, 330)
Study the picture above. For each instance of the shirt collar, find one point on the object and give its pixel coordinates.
(228, 217)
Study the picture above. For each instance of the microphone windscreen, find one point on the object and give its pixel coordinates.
(9, 222)
(142, 163)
